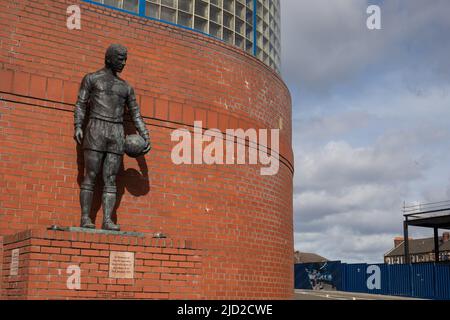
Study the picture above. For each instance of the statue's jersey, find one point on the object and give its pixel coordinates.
(107, 97)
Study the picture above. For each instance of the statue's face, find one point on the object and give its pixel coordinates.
(118, 62)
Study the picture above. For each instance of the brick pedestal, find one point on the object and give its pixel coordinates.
(49, 261)
(1, 266)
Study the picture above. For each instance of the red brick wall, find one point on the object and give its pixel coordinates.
(242, 219)
(1, 267)
(163, 268)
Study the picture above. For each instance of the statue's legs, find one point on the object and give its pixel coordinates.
(111, 167)
(93, 161)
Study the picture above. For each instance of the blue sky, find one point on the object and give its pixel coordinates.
(371, 114)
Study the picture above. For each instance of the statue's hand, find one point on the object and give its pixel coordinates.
(148, 146)
(78, 136)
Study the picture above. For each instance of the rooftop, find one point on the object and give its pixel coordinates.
(419, 246)
(305, 257)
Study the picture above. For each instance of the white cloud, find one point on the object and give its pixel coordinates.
(320, 127)
(359, 190)
(338, 165)
(352, 247)
(321, 40)
(326, 43)
(370, 120)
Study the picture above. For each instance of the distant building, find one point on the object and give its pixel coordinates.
(421, 250)
(304, 257)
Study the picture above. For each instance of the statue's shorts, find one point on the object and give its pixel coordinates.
(104, 136)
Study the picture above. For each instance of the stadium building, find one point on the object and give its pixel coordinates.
(229, 230)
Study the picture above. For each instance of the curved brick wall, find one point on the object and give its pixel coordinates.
(242, 220)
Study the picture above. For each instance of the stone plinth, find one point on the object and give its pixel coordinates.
(47, 264)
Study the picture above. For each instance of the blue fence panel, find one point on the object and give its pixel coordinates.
(428, 281)
(342, 285)
(400, 279)
(442, 282)
(334, 274)
(422, 280)
(385, 280)
(326, 275)
(301, 277)
(355, 278)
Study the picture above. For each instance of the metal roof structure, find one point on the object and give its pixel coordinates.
(434, 215)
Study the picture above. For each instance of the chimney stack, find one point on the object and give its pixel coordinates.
(398, 241)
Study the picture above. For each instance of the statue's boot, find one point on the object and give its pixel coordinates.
(109, 202)
(86, 195)
(86, 222)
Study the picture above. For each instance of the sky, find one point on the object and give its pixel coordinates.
(371, 115)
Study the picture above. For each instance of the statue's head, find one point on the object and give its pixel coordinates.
(116, 57)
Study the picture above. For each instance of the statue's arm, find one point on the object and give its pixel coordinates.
(135, 113)
(82, 101)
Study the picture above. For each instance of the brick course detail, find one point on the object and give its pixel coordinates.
(241, 221)
(45, 257)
